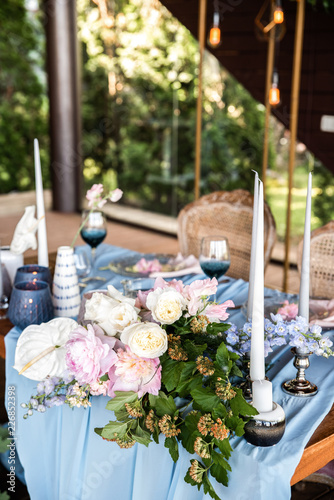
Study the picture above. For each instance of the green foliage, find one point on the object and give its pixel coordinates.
(23, 103)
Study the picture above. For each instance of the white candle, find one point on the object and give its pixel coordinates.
(253, 249)
(43, 258)
(304, 289)
(262, 391)
(257, 369)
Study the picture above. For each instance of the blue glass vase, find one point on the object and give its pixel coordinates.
(30, 303)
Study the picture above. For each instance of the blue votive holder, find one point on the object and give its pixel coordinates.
(33, 272)
(30, 303)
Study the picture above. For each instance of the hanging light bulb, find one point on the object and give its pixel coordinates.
(278, 13)
(274, 93)
(215, 33)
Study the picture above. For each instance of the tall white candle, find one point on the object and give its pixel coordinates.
(257, 369)
(304, 289)
(253, 249)
(262, 391)
(43, 258)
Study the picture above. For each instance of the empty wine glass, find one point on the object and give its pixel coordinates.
(82, 264)
(94, 229)
(214, 258)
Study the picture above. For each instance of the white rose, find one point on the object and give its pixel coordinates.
(117, 296)
(147, 340)
(166, 305)
(110, 314)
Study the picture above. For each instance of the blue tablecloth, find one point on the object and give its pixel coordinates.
(64, 459)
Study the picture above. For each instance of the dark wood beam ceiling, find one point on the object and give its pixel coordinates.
(244, 56)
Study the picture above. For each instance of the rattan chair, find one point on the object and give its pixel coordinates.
(321, 261)
(230, 214)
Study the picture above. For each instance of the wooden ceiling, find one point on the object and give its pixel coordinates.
(245, 56)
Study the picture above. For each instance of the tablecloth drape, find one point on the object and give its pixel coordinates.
(64, 459)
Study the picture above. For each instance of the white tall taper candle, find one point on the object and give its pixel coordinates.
(257, 371)
(262, 391)
(304, 289)
(253, 248)
(43, 258)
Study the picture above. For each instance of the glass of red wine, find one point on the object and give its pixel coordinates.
(94, 229)
(214, 258)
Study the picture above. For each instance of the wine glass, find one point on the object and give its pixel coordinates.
(82, 264)
(94, 229)
(214, 258)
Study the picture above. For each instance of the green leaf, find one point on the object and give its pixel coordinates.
(104, 377)
(224, 447)
(113, 428)
(172, 445)
(118, 402)
(187, 438)
(165, 406)
(236, 424)
(223, 358)
(191, 421)
(193, 350)
(220, 460)
(215, 328)
(208, 488)
(171, 371)
(206, 398)
(240, 406)
(121, 415)
(235, 371)
(219, 473)
(219, 411)
(141, 436)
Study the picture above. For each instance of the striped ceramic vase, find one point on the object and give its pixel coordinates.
(65, 288)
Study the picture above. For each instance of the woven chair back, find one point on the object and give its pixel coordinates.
(321, 261)
(230, 214)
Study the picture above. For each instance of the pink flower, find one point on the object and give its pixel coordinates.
(176, 284)
(99, 388)
(132, 373)
(88, 357)
(115, 195)
(288, 311)
(148, 266)
(94, 196)
(198, 289)
(218, 311)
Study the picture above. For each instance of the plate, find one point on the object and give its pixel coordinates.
(273, 303)
(126, 266)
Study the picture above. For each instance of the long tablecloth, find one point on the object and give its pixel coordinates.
(64, 459)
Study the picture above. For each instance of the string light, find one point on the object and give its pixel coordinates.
(278, 13)
(215, 33)
(274, 92)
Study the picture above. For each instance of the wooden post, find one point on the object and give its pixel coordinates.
(294, 106)
(269, 76)
(65, 129)
(201, 37)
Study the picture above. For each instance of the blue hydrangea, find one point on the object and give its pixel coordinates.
(267, 348)
(245, 347)
(232, 338)
(247, 328)
(269, 326)
(278, 341)
(298, 340)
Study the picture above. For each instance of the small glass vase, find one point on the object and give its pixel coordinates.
(65, 288)
(300, 386)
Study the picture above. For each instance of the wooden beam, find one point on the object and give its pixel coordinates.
(294, 107)
(201, 37)
(65, 129)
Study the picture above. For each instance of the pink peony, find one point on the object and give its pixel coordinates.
(88, 357)
(115, 195)
(218, 311)
(288, 311)
(132, 373)
(94, 196)
(176, 284)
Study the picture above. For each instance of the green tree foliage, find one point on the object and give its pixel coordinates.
(23, 104)
(140, 91)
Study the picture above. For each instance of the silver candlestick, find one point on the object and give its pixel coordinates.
(299, 386)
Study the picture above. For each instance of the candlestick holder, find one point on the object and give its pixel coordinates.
(299, 386)
(267, 428)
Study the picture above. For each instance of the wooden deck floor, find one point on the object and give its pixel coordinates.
(62, 227)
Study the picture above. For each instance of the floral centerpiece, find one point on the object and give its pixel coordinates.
(162, 361)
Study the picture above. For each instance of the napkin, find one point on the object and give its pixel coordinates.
(182, 266)
(24, 234)
(322, 312)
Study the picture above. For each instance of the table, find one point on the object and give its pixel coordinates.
(76, 463)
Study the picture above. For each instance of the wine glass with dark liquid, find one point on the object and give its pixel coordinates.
(94, 229)
(214, 258)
